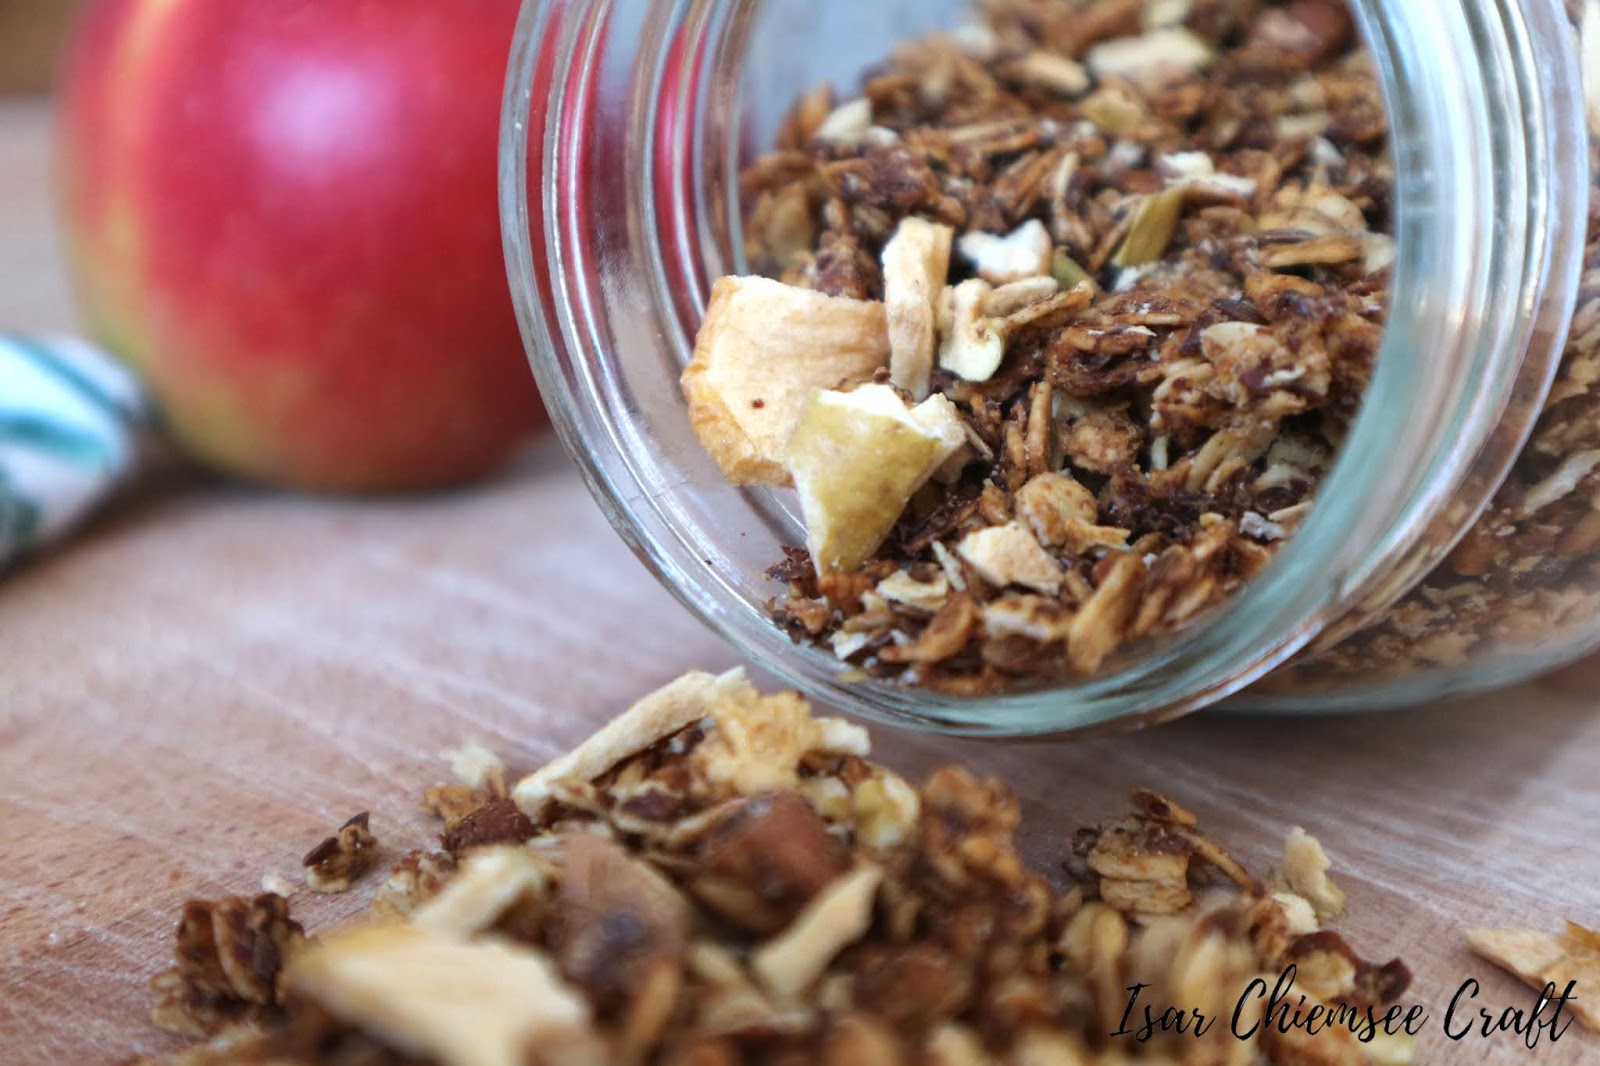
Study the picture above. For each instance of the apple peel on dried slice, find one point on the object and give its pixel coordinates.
(762, 350)
(857, 458)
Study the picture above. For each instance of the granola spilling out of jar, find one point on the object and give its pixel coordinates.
(1059, 324)
(719, 877)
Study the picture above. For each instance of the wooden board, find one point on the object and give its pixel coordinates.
(201, 688)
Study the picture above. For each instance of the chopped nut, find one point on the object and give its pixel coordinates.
(333, 864)
(614, 922)
(1115, 109)
(885, 810)
(1152, 59)
(461, 1004)
(1197, 172)
(496, 822)
(837, 918)
(763, 349)
(1023, 253)
(847, 122)
(415, 879)
(778, 845)
(1138, 852)
(278, 885)
(1299, 916)
(478, 768)
(229, 956)
(1011, 555)
(1039, 619)
(973, 343)
(857, 458)
(1052, 73)
(916, 262)
(953, 1044)
(1305, 865)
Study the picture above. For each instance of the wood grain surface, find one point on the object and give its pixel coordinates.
(199, 689)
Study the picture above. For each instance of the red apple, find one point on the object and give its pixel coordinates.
(283, 213)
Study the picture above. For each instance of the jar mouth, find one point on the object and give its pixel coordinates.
(637, 142)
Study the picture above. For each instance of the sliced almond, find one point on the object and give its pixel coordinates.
(1022, 253)
(916, 263)
(763, 349)
(436, 997)
(857, 458)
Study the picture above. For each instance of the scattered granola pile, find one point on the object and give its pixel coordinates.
(718, 877)
(1073, 308)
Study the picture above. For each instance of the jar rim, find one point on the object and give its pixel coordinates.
(1479, 149)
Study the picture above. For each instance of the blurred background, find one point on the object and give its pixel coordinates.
(34, 293)
(31, 32)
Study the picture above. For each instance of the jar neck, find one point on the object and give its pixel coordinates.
(631, 112)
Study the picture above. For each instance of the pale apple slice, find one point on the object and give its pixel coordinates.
(857, 458)
(763, 349)
(482, 1003)
(916, 264)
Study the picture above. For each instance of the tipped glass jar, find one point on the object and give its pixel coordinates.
(1453, 545)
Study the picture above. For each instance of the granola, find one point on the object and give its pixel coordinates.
(335, 863)
(1138, 250)
(721, 877)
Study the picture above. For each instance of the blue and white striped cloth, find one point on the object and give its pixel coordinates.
(74, 426)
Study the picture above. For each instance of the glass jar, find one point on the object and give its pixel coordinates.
(627, 123)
